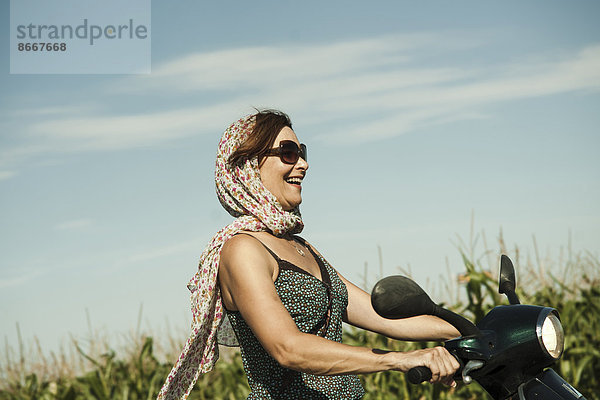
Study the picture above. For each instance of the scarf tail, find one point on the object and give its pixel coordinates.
(198, 356)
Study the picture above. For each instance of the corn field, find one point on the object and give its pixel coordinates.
(571, 286)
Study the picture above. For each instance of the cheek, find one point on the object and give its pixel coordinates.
(268, 179)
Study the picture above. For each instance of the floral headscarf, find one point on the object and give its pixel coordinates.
(243, 195)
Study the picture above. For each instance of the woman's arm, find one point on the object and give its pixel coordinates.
(246, 280)
(360, 313)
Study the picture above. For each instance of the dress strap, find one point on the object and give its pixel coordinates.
(264, 245)
(284, 264)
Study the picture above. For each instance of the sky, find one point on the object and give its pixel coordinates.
(422, 119)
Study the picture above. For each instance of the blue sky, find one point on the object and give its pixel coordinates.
(417, 116)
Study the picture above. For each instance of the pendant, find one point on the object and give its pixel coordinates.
(298, 249)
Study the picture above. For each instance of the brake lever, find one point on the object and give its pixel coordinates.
(470, 366)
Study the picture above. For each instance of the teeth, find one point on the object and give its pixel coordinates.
(296, 181)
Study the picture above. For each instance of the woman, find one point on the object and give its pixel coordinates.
(284, 302)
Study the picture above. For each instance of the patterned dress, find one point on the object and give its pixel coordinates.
(316, 307)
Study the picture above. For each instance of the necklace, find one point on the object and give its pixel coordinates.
(298, 249)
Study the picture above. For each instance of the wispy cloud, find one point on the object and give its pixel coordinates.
(6, 175)
(53, 111)
(142, 258)
(111, 260)
(74, 224)
(119, 132)
(166, 250)
(24, 277)
(379, 87)
(271, 67)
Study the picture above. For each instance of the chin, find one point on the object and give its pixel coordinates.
(292, 206)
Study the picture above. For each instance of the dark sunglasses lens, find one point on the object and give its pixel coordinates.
(289, 152)
(303, 152)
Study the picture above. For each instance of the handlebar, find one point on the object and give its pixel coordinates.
(419, 374)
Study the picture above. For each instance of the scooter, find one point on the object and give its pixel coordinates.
(508, 352)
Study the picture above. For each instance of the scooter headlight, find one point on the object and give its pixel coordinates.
(551, 335)
(523, 341)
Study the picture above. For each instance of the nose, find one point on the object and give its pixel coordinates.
(302, 164)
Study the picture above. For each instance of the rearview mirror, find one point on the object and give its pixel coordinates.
(397, 297)
(507, 283)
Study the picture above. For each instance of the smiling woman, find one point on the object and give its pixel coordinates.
(262, 287)
(273, 135)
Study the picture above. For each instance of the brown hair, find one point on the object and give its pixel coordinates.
(266, 128)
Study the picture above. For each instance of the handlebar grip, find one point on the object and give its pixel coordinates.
(417, 375)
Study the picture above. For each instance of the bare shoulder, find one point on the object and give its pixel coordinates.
(239, 243)
(244, 251)
(245, 268)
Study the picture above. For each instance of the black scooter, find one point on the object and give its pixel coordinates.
(508, 352)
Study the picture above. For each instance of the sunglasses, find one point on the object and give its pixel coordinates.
(288, 152)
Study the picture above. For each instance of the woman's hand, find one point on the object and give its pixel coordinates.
(442, 364)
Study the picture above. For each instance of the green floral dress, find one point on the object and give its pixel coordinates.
(317, 307)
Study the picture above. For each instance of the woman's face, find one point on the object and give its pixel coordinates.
(284, 181)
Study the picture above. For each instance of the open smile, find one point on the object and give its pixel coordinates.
(296, 181)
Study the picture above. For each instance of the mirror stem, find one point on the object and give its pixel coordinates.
(512, 298)
(464, 326)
